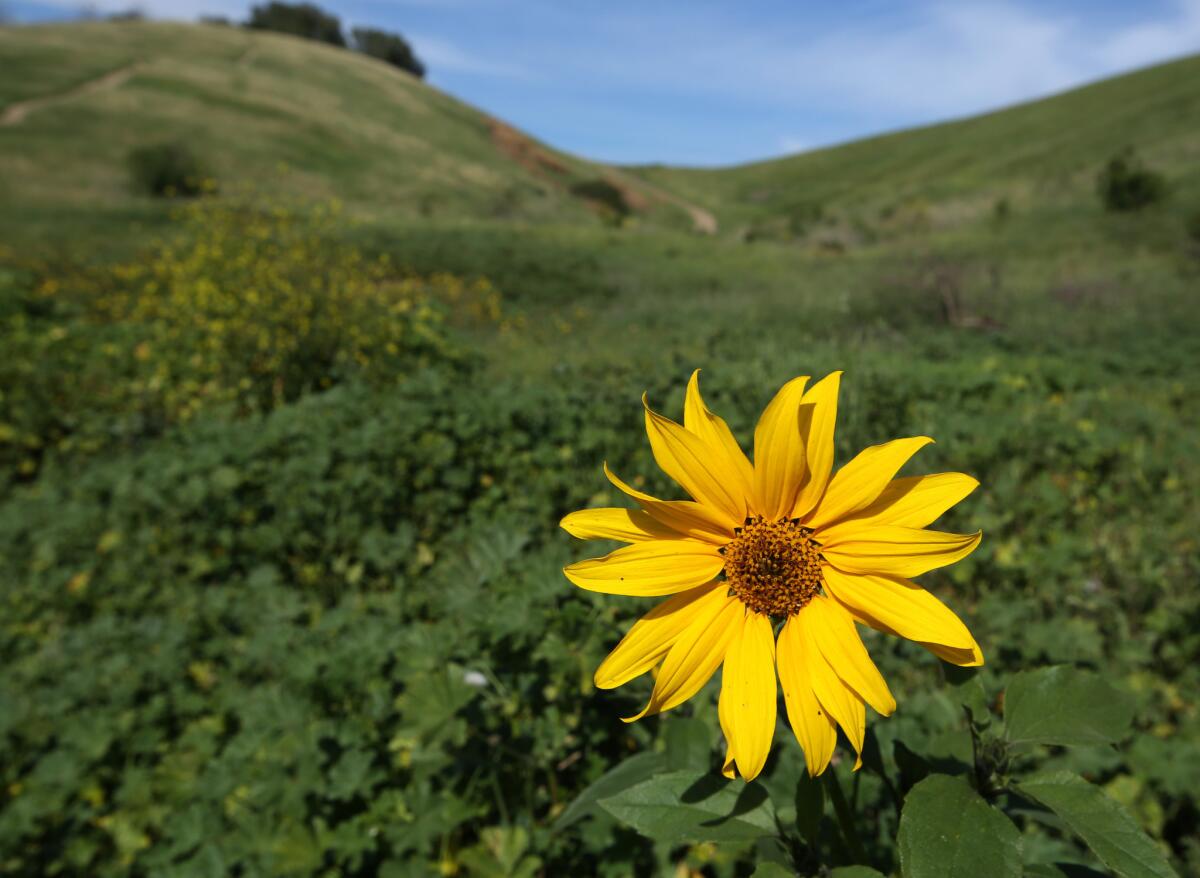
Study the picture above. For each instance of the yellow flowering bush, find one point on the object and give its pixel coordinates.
(244, 308)
(256, 308)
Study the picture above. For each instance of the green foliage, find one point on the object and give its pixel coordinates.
(389, 47)
(170, 170)
(244, 310)
(298, 19)
(1062, 705)
(948, 831)
(1106, 827)
(683, 806)
(1125, 184)
(959, 820)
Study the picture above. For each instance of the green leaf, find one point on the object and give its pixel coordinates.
(913, 767)
(968, 690)
(688, 743)
(1064, 705)
(947, 831)
(686, 806)
(633, 770)
(1102, 822)
(855, 872)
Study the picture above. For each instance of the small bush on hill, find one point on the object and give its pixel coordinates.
(170, 170)
(604, 196)
(389, 47)
(1125, 184)
(1001, 211)
(1192, 225)
(300, 20)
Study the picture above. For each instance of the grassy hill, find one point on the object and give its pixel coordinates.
(1040, 157)
(299, 119)
(286, 116)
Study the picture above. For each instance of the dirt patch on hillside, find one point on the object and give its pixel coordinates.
(635, 195)
(524, 151)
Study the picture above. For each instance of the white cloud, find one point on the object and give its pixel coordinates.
(937, 59)
(442, 55)
(794, 144)
(1155, 40)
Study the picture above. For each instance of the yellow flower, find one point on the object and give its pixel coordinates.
(779, 539)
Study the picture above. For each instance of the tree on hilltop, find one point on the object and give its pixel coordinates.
(299, 19)
(389, 47)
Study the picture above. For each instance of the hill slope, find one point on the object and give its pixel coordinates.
(266, 110)
(290, 117)
(1042, 154)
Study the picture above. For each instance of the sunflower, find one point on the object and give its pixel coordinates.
(777, 541)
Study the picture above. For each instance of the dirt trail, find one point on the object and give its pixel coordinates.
(702, 220)
(14, 114)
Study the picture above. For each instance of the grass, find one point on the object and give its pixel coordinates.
(292, 116)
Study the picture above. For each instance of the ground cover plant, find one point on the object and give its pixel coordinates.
(281, 571)
(366, 660)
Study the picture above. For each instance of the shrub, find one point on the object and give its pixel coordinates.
(243, 311)
(1192, 227)
(1001, 211)
(389, 47)
(298, 19)
(803, 216)
(605, 196)
(1125, 184)
(170, 170)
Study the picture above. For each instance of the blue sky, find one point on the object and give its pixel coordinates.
(704, 83)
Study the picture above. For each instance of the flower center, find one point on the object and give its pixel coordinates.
(773, 567)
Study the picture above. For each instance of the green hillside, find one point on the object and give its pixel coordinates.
(1040, 157)
(299, 119)
(282, 115)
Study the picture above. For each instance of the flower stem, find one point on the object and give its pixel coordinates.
(845, 818)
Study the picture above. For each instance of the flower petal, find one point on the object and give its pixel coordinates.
(729, 766)
(964, 658)
(717, 435)
(914, 501)
(967, 658)
(840, 701)
(811, 723)
(863, 479)
(818, 415)
(779, 452)
(834, 634)
(653, 634)
(897, 551)
(686, 516)
(695, 656)
(654, 567)
(748, 698)
(685, 457)
(625, 525)
(905, 608)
